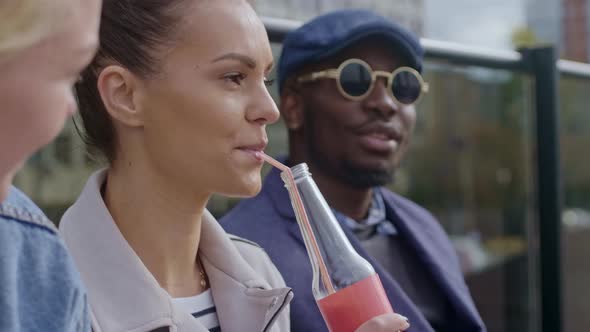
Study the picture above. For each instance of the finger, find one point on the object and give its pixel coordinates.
(389, 322)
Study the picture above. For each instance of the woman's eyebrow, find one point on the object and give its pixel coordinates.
(248, 61)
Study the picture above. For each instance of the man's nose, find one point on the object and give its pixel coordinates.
(380, 99)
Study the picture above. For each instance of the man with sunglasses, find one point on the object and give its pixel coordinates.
(349, 81)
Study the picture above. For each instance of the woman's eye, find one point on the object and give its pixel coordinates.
(235, 78)
(268, 82)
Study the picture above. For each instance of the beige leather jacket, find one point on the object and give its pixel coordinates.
(249, 293)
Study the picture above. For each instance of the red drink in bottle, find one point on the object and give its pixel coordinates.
(350, 307)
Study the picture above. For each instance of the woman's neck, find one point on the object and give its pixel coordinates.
(6, 175)
(160, 222)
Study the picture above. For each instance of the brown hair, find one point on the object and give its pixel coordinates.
(131, 32)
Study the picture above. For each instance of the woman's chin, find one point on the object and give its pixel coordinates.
(248, 188)
(251, 189)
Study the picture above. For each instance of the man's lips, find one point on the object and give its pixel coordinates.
(378, 143)
(381, 130)
(379, 137)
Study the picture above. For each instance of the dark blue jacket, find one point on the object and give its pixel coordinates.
(268, 219)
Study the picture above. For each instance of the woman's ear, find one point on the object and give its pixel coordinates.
(117, 87)
(292, 106)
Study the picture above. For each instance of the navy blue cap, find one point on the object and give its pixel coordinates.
(329, 34)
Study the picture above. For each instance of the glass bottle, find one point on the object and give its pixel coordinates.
(345, 285)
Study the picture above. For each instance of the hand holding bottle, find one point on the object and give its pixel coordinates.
(385, 323)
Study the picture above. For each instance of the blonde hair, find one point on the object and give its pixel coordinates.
(24, 23)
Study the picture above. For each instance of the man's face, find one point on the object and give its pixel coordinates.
(359, 142)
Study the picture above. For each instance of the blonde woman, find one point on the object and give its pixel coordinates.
(43, 46)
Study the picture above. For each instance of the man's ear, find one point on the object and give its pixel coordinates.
(292, 107)
(117, 87)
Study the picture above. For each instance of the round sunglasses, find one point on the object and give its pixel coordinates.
(355, 80)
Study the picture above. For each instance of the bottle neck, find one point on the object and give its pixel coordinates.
(300, 172)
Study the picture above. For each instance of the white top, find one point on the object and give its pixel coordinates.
(202, 307)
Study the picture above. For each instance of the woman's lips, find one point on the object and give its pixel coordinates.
(254, 150)
(257, 154)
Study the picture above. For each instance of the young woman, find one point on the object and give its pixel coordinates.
(43, 47)
(177, 104)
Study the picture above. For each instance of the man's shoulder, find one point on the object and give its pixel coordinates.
(411, 211)
(260, 207)
(19, 210)
(248, 206)
(260, 219)
(407, 205)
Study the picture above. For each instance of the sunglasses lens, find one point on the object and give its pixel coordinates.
(355, 79)
(406, 87)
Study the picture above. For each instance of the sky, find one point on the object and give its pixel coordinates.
(486, 23)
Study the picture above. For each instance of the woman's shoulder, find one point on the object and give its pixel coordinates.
(259, 260)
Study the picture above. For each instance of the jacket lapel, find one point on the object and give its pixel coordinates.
(427, 244)
(400, 302)
(244, 301)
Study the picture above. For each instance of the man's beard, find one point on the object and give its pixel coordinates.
(344, 170)
(349, 173)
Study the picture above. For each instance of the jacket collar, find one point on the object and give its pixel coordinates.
(18, 206)
(123, 294)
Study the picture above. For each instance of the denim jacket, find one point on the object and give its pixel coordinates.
(39, 288)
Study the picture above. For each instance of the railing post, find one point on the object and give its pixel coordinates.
(541, 62)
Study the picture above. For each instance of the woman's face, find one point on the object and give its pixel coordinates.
(36, 87)
(207, 109)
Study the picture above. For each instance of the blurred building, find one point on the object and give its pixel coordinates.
(575, 29)
(409, 13)
(563, 23)
(544, 19)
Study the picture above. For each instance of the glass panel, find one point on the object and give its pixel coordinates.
(575, 139)
(471, 165)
